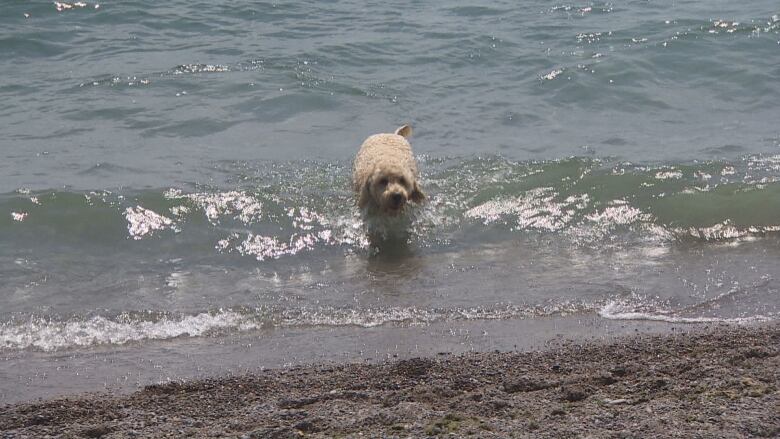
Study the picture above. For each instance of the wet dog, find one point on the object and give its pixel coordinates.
(384, 176)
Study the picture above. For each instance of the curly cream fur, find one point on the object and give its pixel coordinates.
(385, 174)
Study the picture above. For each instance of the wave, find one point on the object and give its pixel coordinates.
(49, 334)
(284, 209)
(618, 311)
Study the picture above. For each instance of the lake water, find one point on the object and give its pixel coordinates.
(175, 199)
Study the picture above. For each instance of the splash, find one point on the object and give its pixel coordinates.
(142, 222)
(552, 74)
(266, 247)
(579, 201)
(243, 206)
(19, 216)
(536, 209)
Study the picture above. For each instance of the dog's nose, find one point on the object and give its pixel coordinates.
(397, 199)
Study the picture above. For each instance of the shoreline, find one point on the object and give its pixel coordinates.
(719, 381)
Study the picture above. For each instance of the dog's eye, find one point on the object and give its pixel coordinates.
(383, 181)
(402, 181)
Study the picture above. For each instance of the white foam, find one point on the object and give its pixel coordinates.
(50, 335)
(617, 311)
(246, 208)
(618, 214)
(63, 6)
(668, 175)
(19, 216)
(552, 75)
(142, 222)
(727, 231)
(267, 247)
(312, 227)
(536, 209)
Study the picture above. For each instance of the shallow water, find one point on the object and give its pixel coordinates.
(175, 179)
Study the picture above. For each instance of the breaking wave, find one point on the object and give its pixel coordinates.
(48, 334)
(618, 311)
(283, 210)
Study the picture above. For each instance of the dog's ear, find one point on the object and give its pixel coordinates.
(404, 131)
(365, 193)
(417, 194)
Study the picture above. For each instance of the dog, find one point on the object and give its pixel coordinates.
(385, 177)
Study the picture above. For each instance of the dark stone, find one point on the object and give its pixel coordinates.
(574, 393)
(453, 417)
(39, 420)
(499, 404)
(164, 388)
(98, 431)
(351, 395)
(619, 371)
(557, 412)
(274, 433)
(296, 403)
(306, 427)
(605, 380)
(524, 384)
(658, 384)
(757, 352)
(413, 367)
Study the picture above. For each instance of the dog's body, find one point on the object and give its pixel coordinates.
(385, 174)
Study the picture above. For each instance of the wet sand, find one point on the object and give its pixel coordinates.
(713, 382)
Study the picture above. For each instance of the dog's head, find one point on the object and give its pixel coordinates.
(390, 188)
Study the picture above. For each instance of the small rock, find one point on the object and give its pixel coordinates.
(557, 412)
(306, 427)
(39, 420)
(574, 393)
(296, 403)
(605, 380)
(757, 352)
(274, 433)
(615, 401)
(619, 371)
(754, 388)
(453, 417)
(524, 384)
(98, 431)
(499, 404)
(433, 430)
(658, 384)
(413, 367)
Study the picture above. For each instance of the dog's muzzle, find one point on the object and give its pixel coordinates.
(396, 200)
